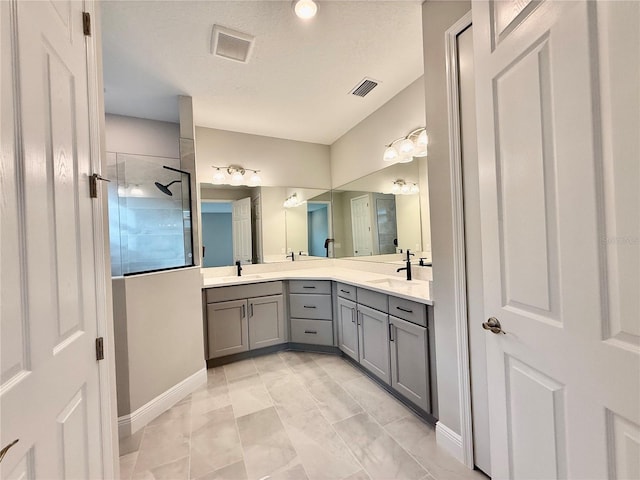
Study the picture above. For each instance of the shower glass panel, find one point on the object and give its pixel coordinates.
(149, 214)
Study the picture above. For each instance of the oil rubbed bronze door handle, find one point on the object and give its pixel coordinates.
(493, 325)
(4, 451)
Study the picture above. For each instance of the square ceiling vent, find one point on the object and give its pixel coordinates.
(231, 44)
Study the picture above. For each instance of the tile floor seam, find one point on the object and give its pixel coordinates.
(326, 419)
(133, 470)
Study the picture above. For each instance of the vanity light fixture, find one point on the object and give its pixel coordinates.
(403, 149)
(292, 201)
(234, 175)
(400, 187)
(305, 9)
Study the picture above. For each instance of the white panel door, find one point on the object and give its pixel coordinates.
(241, 228)
(558, 109)
(49, 378)
(361, 226)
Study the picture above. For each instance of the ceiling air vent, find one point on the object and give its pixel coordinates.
(364, 87)
(231, 44)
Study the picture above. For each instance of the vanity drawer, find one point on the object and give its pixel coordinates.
(311, 331)
(346, 291)
(310, 306)
(310, 286)
(413, 312)
(372, 299)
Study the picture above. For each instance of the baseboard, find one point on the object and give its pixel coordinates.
(450, 441)
(131, 423)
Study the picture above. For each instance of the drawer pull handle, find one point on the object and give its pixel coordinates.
(311, 331)
(345, 291)
(310, 306)
(308, 286)
(391, 332)
(404, 310)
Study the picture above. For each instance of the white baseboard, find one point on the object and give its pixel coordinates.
(450, 441)
(131, 423)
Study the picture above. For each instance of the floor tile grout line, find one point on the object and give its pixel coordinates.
(323, 416)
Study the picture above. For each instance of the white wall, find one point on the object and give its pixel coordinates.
(282, 163)
(359, 151)
(142, 136)
(437, 17)
(274, 235)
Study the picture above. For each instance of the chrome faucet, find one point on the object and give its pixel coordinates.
(292, 256)
(239, 267)
(408, 265)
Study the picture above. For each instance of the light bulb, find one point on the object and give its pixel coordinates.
(421, 144)
(405, 189)
(406, 148)
(390, 154)
(305, 9)
(396, 188)
(218, 177)
(236, 177)
(414, 189)
(136, 191)
(255, 180)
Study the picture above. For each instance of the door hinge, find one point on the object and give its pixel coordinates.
(93, 184)
(86, 23)
(100, 348)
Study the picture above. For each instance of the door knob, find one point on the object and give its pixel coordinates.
(493, 324)
(4, 451)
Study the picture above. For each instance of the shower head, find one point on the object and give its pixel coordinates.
(165, 188)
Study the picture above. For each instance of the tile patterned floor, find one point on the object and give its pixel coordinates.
(289, 415)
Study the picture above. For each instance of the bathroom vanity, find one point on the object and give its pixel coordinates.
(383, 325)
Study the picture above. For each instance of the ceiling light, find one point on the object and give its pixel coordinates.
(255, 179)
(305, 9)
(403, 149)
(219, 177)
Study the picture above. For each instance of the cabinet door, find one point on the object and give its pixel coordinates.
(409, 372)
(373, 329)
(266, 321)
(347, 328)
(227, 328)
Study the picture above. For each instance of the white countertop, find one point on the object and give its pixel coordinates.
(415, 290)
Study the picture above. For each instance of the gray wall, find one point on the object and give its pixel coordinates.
(159, 339)
(437, 17)
(217, 237)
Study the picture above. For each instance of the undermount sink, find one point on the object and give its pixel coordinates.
(252, 276)
(391, 282)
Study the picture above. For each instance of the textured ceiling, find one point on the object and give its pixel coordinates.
(297, 81)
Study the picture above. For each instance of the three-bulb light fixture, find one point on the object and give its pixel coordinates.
(292, 201)
(403, 149)
(400, 187)
(234, 175)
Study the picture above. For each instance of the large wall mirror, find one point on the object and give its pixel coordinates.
(264, 224)
(377, 217)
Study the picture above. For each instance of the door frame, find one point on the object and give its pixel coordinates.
(465, 446)
(102, 254)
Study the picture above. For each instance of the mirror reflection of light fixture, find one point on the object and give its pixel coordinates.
(403, 149)
(305, 9)
(400, 187)
(292, 201)
(234, 175)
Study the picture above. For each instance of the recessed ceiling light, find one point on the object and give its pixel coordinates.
(305, 9)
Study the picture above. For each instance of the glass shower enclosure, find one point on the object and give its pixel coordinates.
(149, 214)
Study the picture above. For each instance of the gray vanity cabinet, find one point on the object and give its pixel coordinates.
(266, 321)
(373, 342)
(348, 328)
(409, 372)
(244, 317)
(227, 328)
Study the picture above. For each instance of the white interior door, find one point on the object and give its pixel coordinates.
(49, 379)
(361, 226)
(241, 227)
(558, 121)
